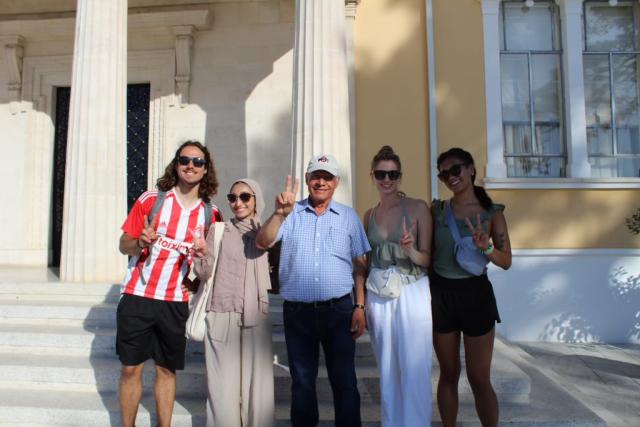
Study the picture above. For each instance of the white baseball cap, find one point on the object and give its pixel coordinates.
(324, 162)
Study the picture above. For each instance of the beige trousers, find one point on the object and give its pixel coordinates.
(239, 372)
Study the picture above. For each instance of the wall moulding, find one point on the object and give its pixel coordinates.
(184, 44)
(13, 54)
(62, 24)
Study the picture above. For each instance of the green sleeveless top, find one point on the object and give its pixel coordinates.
(387, 252)
(444, 261)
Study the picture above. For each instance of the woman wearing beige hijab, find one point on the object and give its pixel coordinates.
(238, 350)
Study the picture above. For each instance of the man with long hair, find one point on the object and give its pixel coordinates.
(163, 232)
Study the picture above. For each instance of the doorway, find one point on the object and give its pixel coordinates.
(138, 98)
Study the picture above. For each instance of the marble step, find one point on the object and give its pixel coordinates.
(60, 291)
(96, 340)
(72, 408)
(80, 313)
(101, 373)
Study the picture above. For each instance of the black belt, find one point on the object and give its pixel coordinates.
(324, 303)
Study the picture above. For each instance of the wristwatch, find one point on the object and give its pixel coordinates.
(360, 306)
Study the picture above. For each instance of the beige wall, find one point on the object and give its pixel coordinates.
(537, 218)
(391, 100)
(569, 218)
(457, 27)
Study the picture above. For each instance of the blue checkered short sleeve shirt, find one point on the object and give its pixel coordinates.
(316, 259)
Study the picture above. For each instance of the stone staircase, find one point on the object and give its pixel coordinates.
(58, 367)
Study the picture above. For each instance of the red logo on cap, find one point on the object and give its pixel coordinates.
(323, 159)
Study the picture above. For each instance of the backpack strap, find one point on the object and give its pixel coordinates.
(162, 195)
(157, 205)
(208, 212)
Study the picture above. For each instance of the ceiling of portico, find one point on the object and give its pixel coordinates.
(13, 7)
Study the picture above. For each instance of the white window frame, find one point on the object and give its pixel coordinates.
(578, 167)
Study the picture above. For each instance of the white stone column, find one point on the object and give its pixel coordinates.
(571, 18)
(321, 90)
(95, 183)
(351, 7)
(496, 166)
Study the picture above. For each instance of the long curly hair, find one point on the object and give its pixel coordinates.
(209, 184)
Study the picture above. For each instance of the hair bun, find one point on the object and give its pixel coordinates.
(386, 153)
(386, 150)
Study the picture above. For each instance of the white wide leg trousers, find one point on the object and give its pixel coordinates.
(400, 330)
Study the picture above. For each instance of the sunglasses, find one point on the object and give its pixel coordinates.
(244, 197)
(198, 162)
(454, 170)
(393, 175)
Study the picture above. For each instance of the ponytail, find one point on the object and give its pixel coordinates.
(482, 196)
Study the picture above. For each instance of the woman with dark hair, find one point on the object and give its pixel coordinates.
(399, 229)
(463, 303)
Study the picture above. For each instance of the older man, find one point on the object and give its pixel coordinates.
(323, 245)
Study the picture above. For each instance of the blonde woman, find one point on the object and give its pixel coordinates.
(398, 300)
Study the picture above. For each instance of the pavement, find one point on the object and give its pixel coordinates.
(604, 377)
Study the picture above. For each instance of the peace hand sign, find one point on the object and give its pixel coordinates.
(199, 247)
(286, 199)
(148, 235)
(407, 241)
(480, 238)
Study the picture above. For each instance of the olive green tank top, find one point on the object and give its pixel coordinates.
(444, 261)
(387, 252)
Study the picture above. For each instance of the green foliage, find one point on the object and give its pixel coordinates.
(633, 223)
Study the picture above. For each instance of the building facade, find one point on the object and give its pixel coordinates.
(544, 94)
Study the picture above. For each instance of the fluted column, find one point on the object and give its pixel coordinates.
(321, 90)
(351, 7)
(95, 183)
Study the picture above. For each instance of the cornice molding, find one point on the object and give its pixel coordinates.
(199, 16)
(351, 8)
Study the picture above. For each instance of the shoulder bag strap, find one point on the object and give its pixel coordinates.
(451, 222)
(218, 230)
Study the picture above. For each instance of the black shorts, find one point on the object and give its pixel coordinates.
(466, 305)
(151, 329)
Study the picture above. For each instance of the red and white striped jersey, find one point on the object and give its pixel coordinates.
(159, 270)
